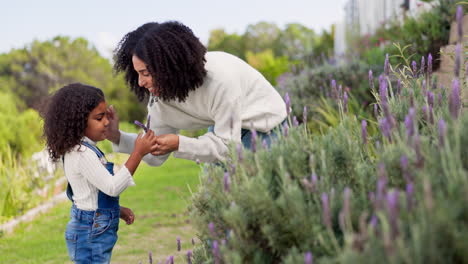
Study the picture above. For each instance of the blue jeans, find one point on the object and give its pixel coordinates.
(246, 135)
(91, 235)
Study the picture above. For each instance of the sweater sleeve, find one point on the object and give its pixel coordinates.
(213, 146)
(94, 171)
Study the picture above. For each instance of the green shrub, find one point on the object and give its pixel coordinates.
(394, 197)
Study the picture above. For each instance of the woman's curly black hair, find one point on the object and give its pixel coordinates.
(174, 56)
(66, 117)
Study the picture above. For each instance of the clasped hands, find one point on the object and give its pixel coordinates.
(164, 144)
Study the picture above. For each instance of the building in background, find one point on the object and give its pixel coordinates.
(364, 17)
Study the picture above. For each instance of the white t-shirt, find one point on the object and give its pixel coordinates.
(87, 175)
(233, 96)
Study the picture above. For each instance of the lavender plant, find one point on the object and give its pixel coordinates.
(385, 190)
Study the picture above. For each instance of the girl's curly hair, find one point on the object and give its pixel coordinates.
(66, 117)
(174, 56)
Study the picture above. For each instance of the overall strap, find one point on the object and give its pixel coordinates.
(96, 150)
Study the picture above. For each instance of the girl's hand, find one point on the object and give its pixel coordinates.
(165, 144)
(145, 144)
(127, 215)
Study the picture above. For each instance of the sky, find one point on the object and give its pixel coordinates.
(104, 22)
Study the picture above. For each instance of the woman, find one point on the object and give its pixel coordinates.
(190, 88)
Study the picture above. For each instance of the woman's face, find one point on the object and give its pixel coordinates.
(145, 79)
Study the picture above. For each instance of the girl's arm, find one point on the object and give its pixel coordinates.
(144, 144)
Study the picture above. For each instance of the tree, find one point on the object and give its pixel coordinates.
(222, 41)
(33, 72)
(261, 36)
(295, 41)
(270, 66)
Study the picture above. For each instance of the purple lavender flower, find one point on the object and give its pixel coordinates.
(415, 68)
(371, 80)
(424, 86)
(171, 259)
(334, 89)
(345, 102)
(454, 100)
(364, 131)
(460, 23)
(340, 91)
(178, 244)
(430, 98)
(227, 182)
(288, 103)
(423, 64)
(409, 122)
(429, 65)
(385, 127)
(374, 221)
(308, 258)
(326, 210)
(211, 227)
(386, 66)
(216, 251)
(304, 115)
(442, 131)
(393, 208)
(314, 179)
(439, 99)
(417, 149)
(424, 112)
(404, 162)
(404, 168)
(431, 114)
(285, 129)
(388, 116)
(456, 68)
(150, 257)
(409, 195)
(381, 184)
(138, 123)
(382, 88)
(398, 86)
(253, 141)
(189, 257)
(295, 122)
(240, 155)
(376, 110)
(264, 144)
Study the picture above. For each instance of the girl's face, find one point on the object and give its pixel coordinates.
(96, 127)
(144, 76)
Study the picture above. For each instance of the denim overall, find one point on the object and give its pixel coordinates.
(91, 235)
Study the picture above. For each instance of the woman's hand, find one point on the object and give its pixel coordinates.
(127, 215)
(166, 144)
(113, 133)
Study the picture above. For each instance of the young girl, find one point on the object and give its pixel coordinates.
(75, 119)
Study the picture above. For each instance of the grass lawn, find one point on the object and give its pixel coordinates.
(159, 202)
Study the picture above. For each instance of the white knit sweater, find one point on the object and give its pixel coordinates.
(233, 96)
